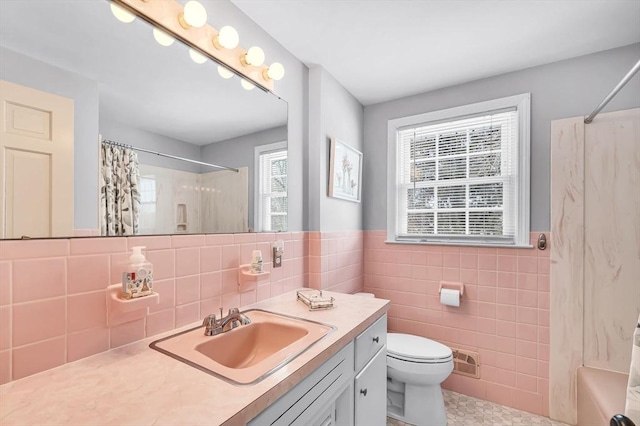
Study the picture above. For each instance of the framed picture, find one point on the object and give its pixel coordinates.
(345, 171)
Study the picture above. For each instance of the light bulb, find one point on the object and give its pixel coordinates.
(224, 73)
(197, 57)
(254, 56)
(193, 15)
(162, 37)
(246, 85)
(275, 71)
(122, 14)
(227, 37)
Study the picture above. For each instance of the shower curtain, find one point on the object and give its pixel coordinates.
(119, 194)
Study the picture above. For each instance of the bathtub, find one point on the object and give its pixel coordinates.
(601, 395)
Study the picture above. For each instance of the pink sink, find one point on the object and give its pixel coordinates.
(248, 353)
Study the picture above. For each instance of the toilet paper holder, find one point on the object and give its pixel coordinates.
(451, 286)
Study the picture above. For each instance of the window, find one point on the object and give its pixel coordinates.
(271, 183)
(147, 190)
(461, 175)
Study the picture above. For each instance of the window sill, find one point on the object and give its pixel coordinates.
(460, 244)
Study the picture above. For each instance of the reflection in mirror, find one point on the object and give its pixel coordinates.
(72, 76)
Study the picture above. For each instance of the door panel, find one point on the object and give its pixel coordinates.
(28, 191)
(371, 392)
(28, 121)
(36, 163)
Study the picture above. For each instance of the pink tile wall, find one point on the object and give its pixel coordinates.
(504, 313)
(335, 261)
(53, 298)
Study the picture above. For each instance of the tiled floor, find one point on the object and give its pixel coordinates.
(468, 411)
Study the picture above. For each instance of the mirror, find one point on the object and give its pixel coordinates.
(126, 87)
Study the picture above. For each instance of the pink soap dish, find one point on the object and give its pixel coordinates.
(127, 310)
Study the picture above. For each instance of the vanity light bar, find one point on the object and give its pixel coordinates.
(167, 15)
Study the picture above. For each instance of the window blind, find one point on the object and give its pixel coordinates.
(458, 179)
(273, 191)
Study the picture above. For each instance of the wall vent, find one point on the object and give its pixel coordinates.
(466, 363)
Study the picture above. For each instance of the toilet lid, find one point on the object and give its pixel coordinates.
(416, 348)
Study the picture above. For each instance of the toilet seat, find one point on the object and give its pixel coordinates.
(416, 349)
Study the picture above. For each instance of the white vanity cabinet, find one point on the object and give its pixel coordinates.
(370, 384)
(350, 388)
(313, 401)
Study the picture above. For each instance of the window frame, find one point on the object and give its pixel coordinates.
(522, 104)
(145, 203)
(258, 208)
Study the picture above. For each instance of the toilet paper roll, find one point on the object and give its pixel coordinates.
(450, 297)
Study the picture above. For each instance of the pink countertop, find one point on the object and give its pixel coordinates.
(136, 385)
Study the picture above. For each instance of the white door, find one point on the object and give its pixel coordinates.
(36, 163)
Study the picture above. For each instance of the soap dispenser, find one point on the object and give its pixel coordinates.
(256, 262)
(137, 278)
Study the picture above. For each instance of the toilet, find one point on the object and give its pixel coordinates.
(416, 367)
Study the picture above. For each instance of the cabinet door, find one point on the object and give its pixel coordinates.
(327, 417)
(371, 392)
(314, 396)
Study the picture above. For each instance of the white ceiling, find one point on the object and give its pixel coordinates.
(386, 49)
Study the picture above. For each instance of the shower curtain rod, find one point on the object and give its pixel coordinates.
(615, 91)
(188, 160)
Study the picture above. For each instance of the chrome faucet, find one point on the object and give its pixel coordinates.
(211, 325)
(231, 321)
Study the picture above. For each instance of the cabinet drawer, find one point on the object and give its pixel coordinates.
(370, 341)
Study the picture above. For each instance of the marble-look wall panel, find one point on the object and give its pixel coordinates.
(567, 231)
(612, 239)
(172, 189)
(595, 264)
(225, 201)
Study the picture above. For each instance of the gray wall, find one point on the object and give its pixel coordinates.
(320, 108)
(27, 71)
(333, 113)
(118, 132)
(569, 88)
(240, 152)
